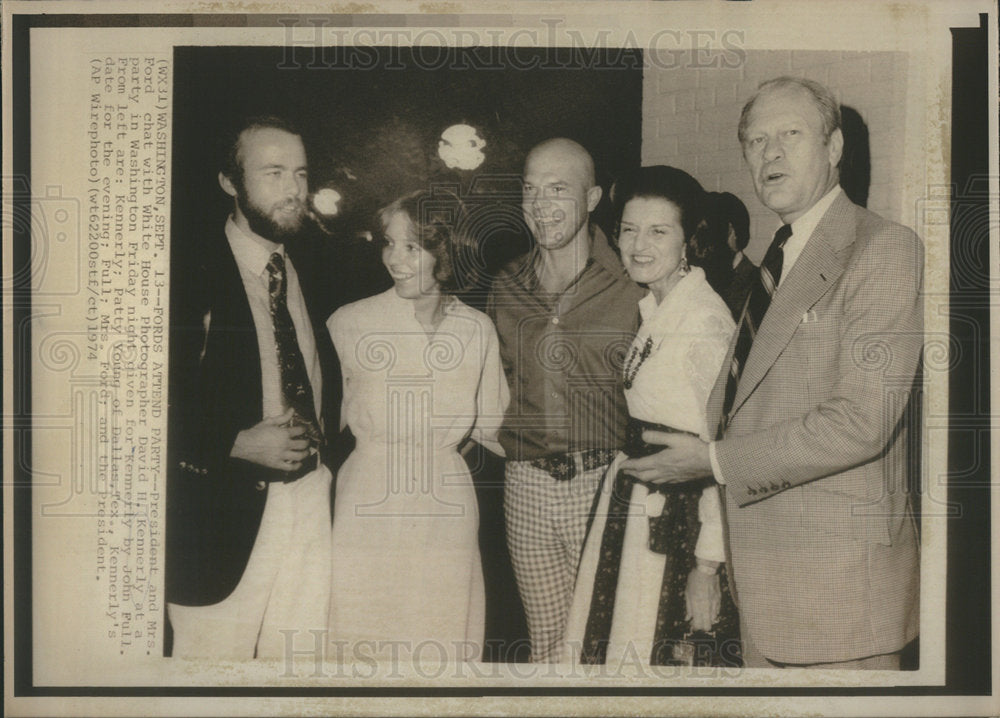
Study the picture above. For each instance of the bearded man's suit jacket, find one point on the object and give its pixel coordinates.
(823, 541)
(215, 502)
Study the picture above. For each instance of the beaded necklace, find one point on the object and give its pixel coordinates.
(635, 360)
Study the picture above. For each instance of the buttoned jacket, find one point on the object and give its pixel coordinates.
(215, 502)
(815, 456)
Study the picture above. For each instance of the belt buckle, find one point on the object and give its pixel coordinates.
(560, 467)
(592, 458)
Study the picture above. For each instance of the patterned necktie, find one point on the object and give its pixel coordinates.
(753, 314)
(295, 386)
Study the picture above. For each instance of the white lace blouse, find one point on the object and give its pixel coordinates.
(689, 333)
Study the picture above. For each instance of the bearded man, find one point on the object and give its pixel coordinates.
(254, 387)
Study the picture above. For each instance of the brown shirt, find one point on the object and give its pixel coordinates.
(563, 354)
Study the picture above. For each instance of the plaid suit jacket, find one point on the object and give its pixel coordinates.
(823, 541)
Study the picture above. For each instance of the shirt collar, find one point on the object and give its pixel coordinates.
(651, 312)
(601, 252)
(250, 249)
(803, 227)
(647, 306)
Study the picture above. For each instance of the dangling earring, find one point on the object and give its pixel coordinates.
(684, 267)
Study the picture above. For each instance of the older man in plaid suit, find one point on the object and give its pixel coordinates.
(812, 407)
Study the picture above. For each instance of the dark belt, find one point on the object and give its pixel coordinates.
(562, 467)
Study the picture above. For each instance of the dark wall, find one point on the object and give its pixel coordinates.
(373, 134)
(371, 121)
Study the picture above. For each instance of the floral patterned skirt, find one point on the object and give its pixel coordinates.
(672, 534)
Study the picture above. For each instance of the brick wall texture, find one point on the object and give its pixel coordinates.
(690, 115)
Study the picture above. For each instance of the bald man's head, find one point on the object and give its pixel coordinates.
(560, 192)
(564, 151)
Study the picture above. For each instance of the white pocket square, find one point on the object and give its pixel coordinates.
(810, 317)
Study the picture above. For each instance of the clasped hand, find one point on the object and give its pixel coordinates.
(685, 458)
(274, 442)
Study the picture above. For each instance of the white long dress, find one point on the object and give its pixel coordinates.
(690, 332)
(406, 562)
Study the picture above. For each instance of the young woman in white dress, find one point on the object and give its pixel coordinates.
(422, 376)
(649, 575)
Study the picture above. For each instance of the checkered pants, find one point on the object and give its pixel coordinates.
(546, 527)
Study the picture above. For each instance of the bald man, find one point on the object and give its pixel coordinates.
(565, 313)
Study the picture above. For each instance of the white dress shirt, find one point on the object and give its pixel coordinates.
(252, 253)
(802, 230)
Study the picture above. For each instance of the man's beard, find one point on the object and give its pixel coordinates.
(266, 226)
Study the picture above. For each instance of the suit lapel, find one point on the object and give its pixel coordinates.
(815, 271)
(713, 411)
(232, 347)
